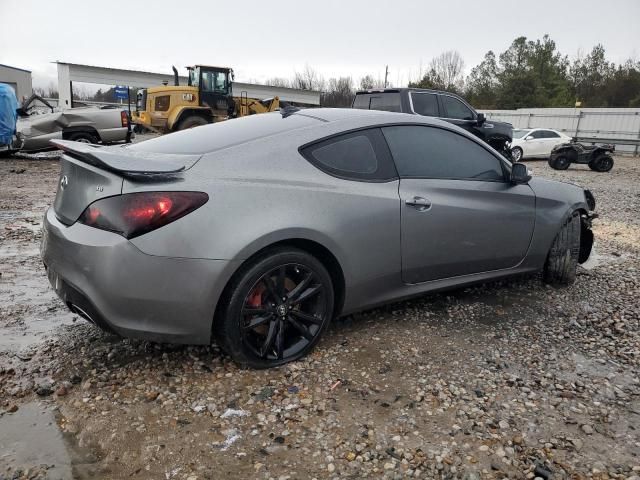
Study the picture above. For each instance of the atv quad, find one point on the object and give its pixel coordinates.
(598, 157)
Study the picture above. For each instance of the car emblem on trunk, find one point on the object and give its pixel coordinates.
(64, 181)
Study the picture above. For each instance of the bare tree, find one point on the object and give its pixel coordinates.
(308, 79)
(278, 82)
(446, 72)
(367, 82)
(339, 93)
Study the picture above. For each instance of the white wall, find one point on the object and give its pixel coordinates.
(19, 79)
(605, 123)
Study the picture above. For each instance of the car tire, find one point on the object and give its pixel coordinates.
(516, 154)
(559, 163)
(277, 334)
(83, 137)
(602, 163)
(562, 259)
(192, 122)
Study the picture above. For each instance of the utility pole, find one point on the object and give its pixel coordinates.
(386, 75)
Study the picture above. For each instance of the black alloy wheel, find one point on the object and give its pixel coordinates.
(278, 311)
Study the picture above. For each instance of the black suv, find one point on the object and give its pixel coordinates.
(444, 105)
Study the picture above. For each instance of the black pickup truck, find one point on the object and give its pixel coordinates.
(444, 105)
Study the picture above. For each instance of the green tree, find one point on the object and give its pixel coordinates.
(589, 77)
(482, 84)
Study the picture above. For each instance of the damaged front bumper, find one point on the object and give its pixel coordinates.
(586, 232)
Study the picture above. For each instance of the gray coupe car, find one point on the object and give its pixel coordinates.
(258, 231)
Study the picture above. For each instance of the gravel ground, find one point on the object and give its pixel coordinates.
(505, 380)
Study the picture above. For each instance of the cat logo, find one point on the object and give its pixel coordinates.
(187, 97)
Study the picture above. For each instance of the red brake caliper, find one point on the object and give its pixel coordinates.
(255, 297)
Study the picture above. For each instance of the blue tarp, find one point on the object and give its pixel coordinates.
(8, 113)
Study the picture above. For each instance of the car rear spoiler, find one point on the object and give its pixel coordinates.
(127, 162)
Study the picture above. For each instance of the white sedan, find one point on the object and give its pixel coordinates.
(535, 142)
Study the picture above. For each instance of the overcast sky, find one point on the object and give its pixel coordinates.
(263, 39)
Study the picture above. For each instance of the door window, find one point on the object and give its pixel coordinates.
(538, 134)
(361, 155)
(425, 104)
(456, 109)
(214, 82)
(429, 152)
(550, 134)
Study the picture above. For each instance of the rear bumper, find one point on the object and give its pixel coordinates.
(105, 278)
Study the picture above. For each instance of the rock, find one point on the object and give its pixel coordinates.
(44, 391)
(61, 391)
(151, 396)
(542, 472)
(12, 409)
(588, 429)
(331, 468)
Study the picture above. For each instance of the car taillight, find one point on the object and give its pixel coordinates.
(134, 214)
(124, 118)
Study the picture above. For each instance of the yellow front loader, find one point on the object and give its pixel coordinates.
(206, 98)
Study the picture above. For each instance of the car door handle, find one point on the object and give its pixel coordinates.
(419, 203)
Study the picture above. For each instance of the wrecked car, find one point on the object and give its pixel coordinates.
(260, 231)
(84, 124)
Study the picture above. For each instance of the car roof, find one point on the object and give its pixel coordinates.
(221, 135)
(405, 89)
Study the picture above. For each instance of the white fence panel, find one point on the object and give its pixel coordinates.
(609, 124)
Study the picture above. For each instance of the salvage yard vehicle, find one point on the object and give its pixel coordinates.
(10, 141)
(444, 105)
(598, 157)
(258, 232)
(86, 124)
(206, 98)
(535, 142)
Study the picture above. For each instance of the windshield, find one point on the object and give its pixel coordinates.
(519, 133)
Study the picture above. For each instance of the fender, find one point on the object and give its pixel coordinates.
(181, 112)
(293, 234)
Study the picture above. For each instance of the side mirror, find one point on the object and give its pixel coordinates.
(519, 174)
(528, 138)
(480, 119)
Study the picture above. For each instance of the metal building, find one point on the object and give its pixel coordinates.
(73, 72)
(18, 78)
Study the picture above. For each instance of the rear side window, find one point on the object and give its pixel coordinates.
(425, 104)
(429, 152)
(361, 155)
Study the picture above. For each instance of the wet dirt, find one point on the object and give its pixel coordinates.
(491, 380)
(31, 437)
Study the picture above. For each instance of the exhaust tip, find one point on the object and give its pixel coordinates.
(77, 310)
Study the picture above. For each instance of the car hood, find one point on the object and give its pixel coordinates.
(569, 193)
(498, 128)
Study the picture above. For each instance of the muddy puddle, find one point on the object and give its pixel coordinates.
(30, 439)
